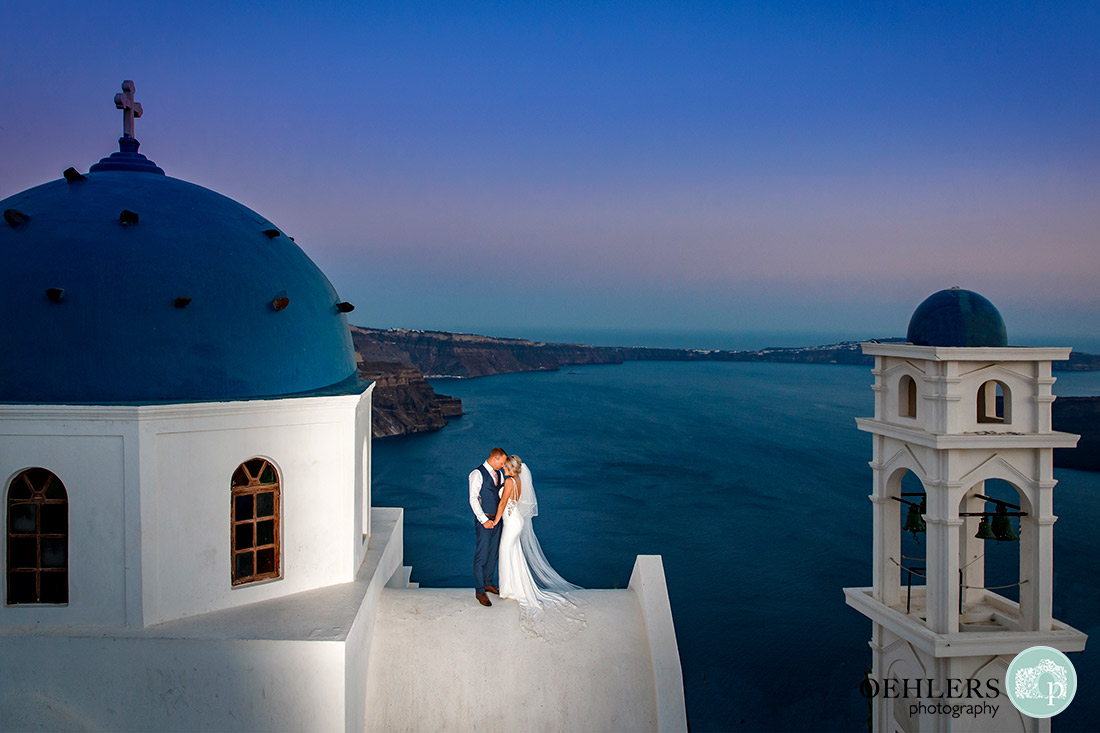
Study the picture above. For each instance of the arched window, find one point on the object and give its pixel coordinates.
(38, 538)
(256, 545)
(907, 396)
(994, 402)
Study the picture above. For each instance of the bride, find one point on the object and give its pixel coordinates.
(525, 574)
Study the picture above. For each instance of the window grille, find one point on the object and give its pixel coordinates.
(38, 539)
(255, 537)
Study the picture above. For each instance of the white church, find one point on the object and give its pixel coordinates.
(190, 542)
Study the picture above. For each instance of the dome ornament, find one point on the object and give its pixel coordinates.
(131, 110)
(15, 217)
(127, 158)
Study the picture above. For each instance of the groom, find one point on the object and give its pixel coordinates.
(485, 483)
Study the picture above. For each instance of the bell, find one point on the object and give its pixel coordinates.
(914, 522)
(1002, 526)
(984, 531)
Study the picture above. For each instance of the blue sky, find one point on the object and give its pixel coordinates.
(651, 166)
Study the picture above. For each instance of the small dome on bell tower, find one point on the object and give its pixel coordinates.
(957, 317)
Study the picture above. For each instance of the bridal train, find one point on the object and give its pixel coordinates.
(547, 608)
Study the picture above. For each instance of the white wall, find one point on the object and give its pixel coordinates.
(91, 467)
(648, 583)
(187, 547)
(362, 507)
(113, 683)
(948, 381)
(297, 663)
(149, 500)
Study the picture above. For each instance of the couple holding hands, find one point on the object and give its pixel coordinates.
(502, 497)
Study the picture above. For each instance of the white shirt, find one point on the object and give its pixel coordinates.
(475, 489)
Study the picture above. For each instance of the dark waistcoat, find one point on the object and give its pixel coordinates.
(488, 495)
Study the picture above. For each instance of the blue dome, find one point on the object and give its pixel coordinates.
(957, 317)
(127, 286)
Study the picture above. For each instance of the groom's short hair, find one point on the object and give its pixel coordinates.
(495, 452)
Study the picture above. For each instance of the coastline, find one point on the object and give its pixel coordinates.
(401, 361)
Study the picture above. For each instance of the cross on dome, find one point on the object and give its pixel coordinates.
(127, 158)
(130, 108)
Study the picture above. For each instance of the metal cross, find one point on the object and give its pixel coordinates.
(130, 108)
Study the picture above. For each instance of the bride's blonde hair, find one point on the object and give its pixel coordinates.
(515, 463)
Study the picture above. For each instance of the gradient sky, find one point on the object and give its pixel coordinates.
(513, 167)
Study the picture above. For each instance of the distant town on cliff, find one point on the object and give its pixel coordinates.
(400, 361)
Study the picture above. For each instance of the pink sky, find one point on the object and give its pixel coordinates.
(748, 168)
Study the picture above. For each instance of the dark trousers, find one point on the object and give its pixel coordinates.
(485, 555)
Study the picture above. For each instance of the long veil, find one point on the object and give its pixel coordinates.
(543, 573)
(554, 614)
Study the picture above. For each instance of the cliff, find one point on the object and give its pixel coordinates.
(444, 354)
(404, 402)
(398, 360)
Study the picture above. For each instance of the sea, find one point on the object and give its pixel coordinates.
(751, 482)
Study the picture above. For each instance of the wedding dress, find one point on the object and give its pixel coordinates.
(526, 576)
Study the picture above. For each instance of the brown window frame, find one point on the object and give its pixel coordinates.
(42, 482)
(252, 471)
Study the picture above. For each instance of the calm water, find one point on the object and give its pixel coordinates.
(750, 480)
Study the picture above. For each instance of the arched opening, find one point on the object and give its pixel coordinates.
(255, 537)
(912, 552)
(907, 396)
(989, 545)
(994, 402)
(902, 671)
(1002, 549)
(38, 539)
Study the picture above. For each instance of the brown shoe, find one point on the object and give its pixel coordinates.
(492, 589)
(483, 599)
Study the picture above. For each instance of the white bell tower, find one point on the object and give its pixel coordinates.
(957, 407)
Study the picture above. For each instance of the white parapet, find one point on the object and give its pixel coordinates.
(441, 661)
(298, 662)
(648, 583)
